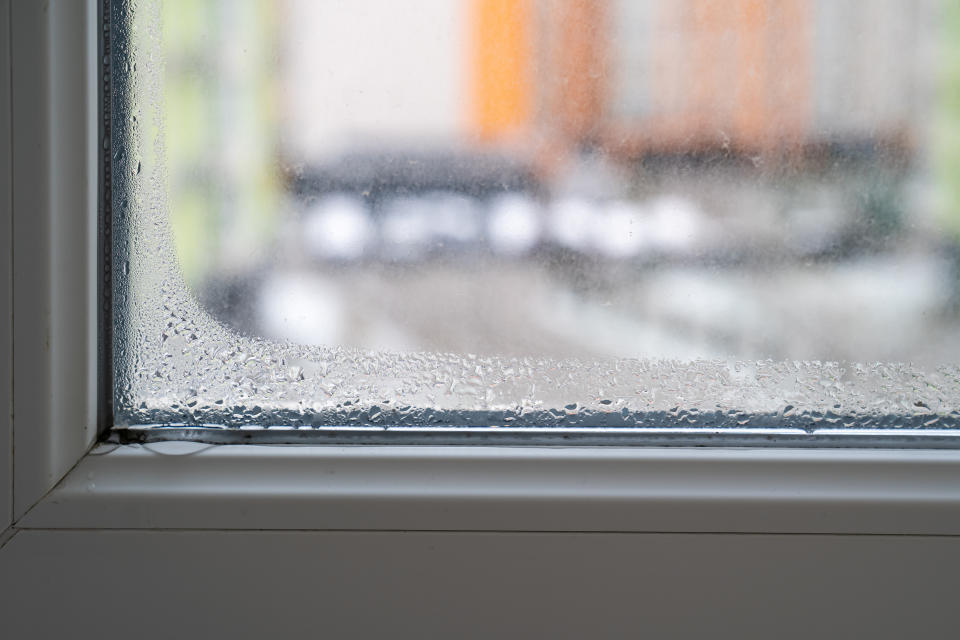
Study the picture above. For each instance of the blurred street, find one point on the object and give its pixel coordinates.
(888, 309)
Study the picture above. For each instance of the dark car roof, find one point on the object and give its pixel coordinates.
(378, 176)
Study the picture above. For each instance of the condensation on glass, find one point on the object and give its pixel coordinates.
(537, 213)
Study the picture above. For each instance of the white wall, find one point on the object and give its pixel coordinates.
(868, 73)
(373, 72)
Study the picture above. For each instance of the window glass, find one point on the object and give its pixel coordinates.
(537, 213)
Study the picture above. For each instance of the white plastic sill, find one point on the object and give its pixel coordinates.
(178, 485)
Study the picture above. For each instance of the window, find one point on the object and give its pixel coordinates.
(60, 483)
(517, 220)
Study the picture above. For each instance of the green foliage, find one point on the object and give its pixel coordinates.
(948, 121)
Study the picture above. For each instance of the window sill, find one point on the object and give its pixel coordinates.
(179, 485)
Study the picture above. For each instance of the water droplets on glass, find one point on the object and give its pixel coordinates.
(543, 213)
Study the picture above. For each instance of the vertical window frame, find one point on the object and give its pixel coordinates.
(53, 142)
(6, 274)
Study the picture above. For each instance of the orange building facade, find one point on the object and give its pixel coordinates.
(687, 76)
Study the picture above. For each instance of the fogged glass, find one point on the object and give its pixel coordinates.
(539, 211)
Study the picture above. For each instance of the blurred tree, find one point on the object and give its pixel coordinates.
(948, 135)
(219, 132)
(948, 130)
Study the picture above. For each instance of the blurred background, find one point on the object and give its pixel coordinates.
(590, 178)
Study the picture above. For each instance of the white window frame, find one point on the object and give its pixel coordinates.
(53, 476)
